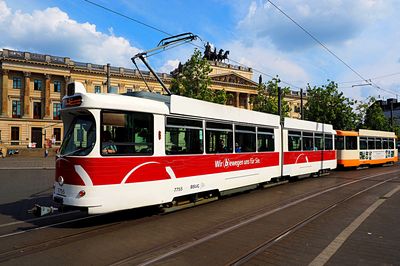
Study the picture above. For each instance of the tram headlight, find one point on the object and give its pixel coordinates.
(60, 180)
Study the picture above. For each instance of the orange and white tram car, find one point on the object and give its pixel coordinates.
(142, 149)
(365, 147)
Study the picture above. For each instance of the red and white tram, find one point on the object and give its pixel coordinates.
(308, 147)
(127, 151)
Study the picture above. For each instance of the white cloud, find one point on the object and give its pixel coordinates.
(268, 61)
(51, 31)
(331, 21)
(4, 11)
(169, 66)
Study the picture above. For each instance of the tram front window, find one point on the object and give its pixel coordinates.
(80, 137)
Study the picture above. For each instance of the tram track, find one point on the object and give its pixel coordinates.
(263, 246)
(247, 219)
(178, 244)
(60, 240)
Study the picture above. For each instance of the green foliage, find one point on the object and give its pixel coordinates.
(326, 104)
(267, 98)
(372, 116)
(193, 81)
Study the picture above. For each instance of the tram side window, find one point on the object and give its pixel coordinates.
(294, 141)
(371, 143)
(328, 142)
(308, 144)
(318, 142)
(351, 142)
(126, 133)
(378, 143)
(219, 138)
(363, 143)
(265, 139)
(391, 144)
(385, 144)
(245, 138)
(183, 136)
(339, 142)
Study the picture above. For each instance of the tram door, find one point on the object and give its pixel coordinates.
(36, 134)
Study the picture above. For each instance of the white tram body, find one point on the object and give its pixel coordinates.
(127, 151)
(308, 147)
(159, 159)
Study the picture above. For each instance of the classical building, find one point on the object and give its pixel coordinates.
(32, 86)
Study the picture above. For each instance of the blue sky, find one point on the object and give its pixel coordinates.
(363, 33)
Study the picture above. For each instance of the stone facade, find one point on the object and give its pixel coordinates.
(32, 87)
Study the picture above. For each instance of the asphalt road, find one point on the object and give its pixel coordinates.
(21, 189)
(218, 233)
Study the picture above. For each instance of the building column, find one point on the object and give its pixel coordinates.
(47, 114)
(4, 94)
(237, 102)
(247, 101)
(89, 86)
(67, 79)
(26, 93)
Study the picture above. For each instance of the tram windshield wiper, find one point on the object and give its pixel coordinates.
(75, 151)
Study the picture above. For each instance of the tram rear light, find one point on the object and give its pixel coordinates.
(81, 193)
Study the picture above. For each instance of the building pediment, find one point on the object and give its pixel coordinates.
(233, 78)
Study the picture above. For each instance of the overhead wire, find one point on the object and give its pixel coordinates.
(327, 49)
(169, 34)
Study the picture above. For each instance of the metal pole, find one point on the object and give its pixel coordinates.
(280, 103)
(155, 74)
(301, 104)
(108, 78)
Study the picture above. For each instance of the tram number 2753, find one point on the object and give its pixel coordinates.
(178, 189)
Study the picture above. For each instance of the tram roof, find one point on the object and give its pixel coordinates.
(376, 133)
(296, 124)
(346, 133)
(175, 104)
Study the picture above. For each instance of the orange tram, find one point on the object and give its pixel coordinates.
(365, 147)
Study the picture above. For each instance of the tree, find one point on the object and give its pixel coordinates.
(193, 80)
(372, 116)
(325, 104)
(267, 98)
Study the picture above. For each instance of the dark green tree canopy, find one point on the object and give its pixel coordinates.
(266, 99)
(193, 81)
(372, 116)
(325, 104)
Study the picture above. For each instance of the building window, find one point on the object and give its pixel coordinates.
(14, 135)
(57, 86)
(17, 83)
(56, 111)
(113, 90)
(37, 85)
(37, 110)
(57, 136)
(16, 109)
(97, 89)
